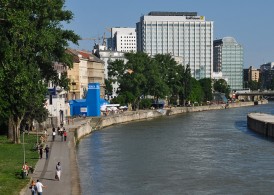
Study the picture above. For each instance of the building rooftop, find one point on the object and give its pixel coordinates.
(85, 55)
(158, 13)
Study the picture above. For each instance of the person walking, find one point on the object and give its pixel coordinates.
(58, 130)
(33, 187)
(62, 132)
(65, 135)
(41, 151)
(53, 134)
(58, 171)
(39, 187)
(47, 151)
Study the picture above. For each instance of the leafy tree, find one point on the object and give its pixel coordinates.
(254, 85)
(221, 86)
(124, 98)
(31, 40)
(169, 74)
(142, 75)
(206, 85)
(130, 76)
(109, 88)
(196, 94)
(185, 80)
(145, 103)
(156, 79)
(64, 81)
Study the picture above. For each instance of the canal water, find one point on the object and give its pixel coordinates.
(211, 152)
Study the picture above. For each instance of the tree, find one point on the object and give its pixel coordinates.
(255, 85)
(206, 85)
(31, 40)
(196, 94)
(169, 74)
(130, 76)
(109, 88)
(157, 74)
(221, 86)
(185, 79)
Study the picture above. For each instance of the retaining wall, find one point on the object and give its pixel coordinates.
(104, 121)
(261, 123)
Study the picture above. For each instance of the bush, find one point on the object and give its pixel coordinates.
(145, 103)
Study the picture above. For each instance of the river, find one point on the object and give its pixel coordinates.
(211, 152)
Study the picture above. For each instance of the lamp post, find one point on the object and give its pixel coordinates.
(24, 151)
(37, 137)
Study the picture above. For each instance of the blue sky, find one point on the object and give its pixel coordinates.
(250, 22)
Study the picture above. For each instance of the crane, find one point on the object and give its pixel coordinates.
(91, 39)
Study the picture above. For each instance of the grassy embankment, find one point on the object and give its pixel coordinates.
(11, 161)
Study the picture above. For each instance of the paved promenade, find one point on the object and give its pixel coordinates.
(63, 152)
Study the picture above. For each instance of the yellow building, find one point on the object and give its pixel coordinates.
(87, 68)
(253, 74)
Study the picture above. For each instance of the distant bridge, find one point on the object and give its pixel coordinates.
(254, 94)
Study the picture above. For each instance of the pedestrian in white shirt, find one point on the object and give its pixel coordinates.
(39, 187)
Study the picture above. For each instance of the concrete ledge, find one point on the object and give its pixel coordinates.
(89, 125)
(261, 123)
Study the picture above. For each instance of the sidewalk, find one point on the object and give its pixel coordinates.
(63, 152)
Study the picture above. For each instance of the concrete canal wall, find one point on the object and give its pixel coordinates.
(261, 123)
(89, 125)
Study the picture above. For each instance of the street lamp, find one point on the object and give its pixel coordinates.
(24, 147)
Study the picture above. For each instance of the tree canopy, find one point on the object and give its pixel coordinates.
(221, 86)
(158, 77)
(206, 85)
(32, 38)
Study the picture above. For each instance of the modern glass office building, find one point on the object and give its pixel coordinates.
(184, 35)
(228, 59)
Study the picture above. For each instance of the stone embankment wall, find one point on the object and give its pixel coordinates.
(104, 121)
(82, 130)
(261, 123)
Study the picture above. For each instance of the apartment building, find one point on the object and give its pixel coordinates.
(87, 68)
(123, 39)
(253, 74)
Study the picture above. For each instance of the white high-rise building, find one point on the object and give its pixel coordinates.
(123, 39)
(181, 34)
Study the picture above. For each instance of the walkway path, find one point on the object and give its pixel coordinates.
(63, 152)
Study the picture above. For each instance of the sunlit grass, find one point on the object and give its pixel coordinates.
(11, 161)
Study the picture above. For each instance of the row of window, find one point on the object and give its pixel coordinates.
(128, 47)
(181, 44)
(192, 38)
(202, 25)
(128, 40)
(178, 30)
(182, 49)
(177, 34)
(128, 44)
(127, 37)
(180, 39)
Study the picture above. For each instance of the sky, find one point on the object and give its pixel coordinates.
(250, 22)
